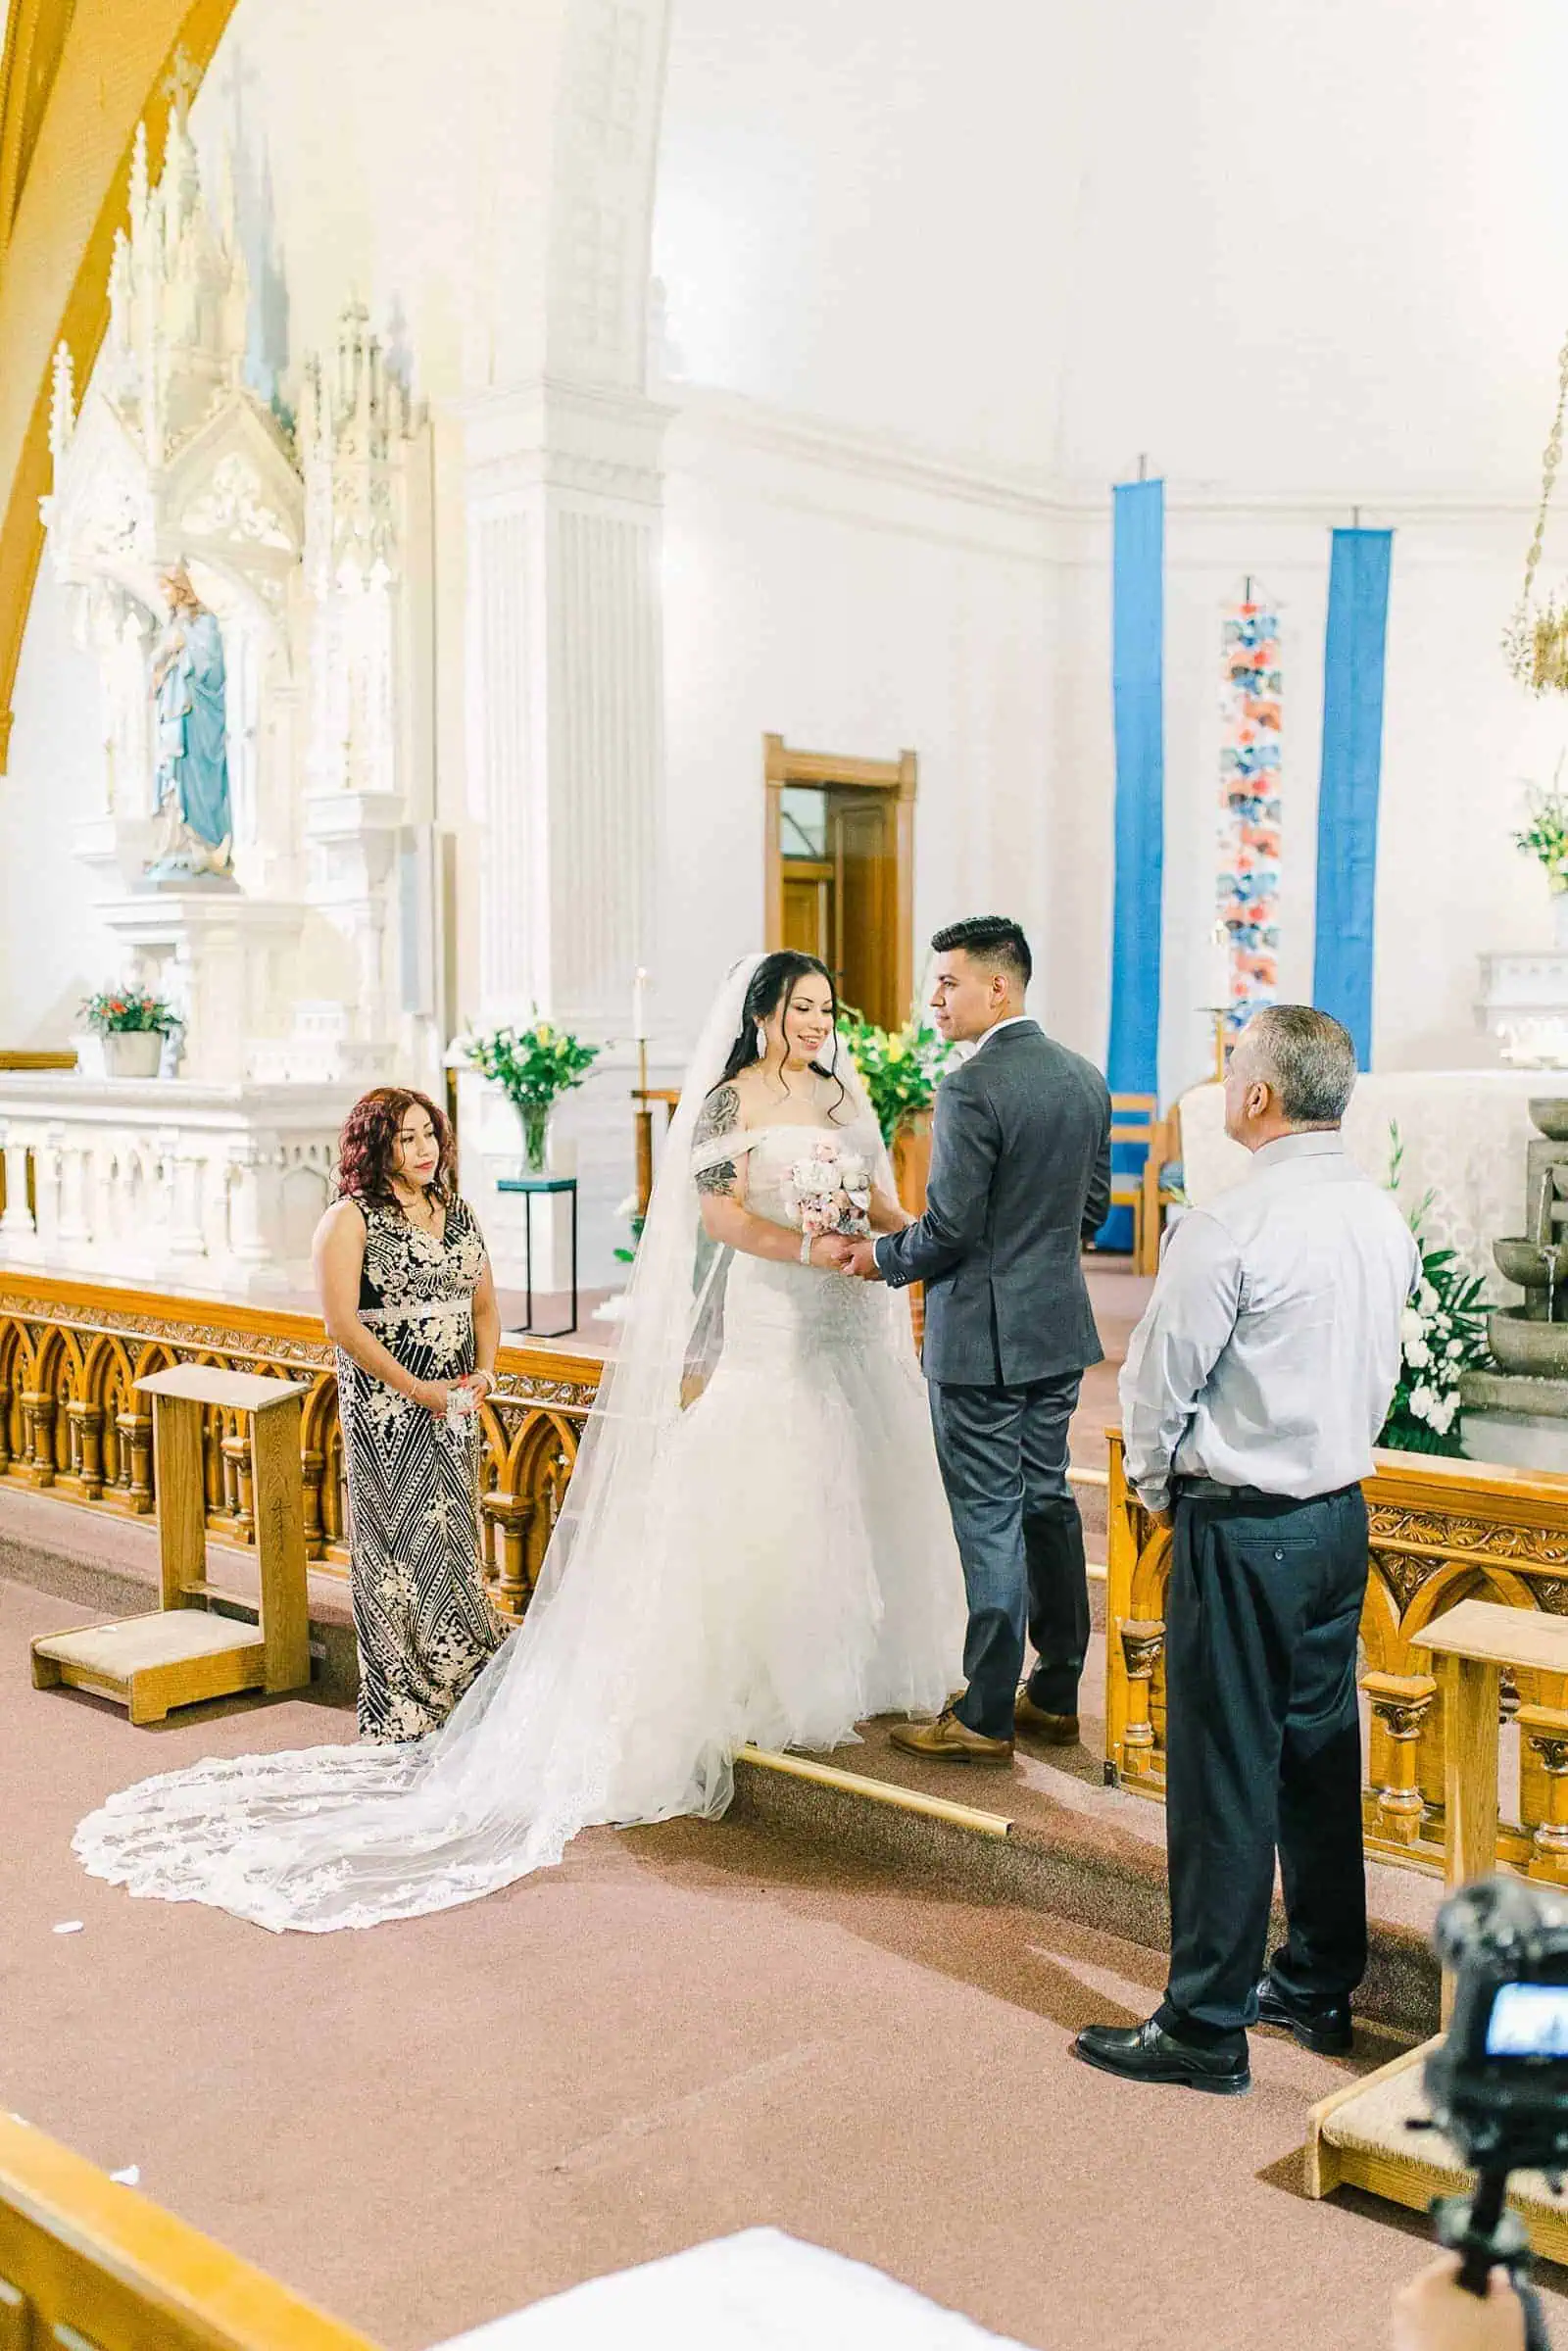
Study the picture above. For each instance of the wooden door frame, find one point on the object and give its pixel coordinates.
(899, 776)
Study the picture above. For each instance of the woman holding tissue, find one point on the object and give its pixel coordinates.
(409, 1302)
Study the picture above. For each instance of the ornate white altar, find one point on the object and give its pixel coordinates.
(1524, 1004)
(309, 973)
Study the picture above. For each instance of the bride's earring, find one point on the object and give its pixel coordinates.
(762, 1042)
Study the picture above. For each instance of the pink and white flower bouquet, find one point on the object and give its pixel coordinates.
(829, 1191)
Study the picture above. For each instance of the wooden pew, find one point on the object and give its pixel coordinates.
(1370, 2135)
(87, 2264)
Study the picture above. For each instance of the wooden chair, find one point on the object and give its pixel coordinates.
(1134, 1118)
(89, 2264)
(1164, 1151)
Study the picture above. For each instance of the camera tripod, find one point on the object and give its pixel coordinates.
(1487, 2236)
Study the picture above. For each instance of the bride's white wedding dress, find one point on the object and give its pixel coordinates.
(773, 1562)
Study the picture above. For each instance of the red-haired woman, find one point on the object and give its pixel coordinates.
(407, 1299)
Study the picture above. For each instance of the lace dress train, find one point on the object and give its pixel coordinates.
(772, 1564)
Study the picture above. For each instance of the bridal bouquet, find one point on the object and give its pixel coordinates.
(829, 1191)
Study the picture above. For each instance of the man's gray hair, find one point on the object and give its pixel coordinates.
(1308, 1058)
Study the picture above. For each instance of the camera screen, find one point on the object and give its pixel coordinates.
(1529, 2020)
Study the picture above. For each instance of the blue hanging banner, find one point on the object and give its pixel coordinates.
(1348, 794)
(1138, 698)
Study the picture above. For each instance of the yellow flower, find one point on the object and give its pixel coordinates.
(541, 1035)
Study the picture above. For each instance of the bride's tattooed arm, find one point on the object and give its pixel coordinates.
(719, 1115)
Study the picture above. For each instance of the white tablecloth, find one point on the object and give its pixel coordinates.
(759, 2291)
(1464, 1131)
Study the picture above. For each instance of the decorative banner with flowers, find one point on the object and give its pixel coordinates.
(1247, 891)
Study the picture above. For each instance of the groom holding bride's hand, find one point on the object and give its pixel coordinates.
(1020, 1180)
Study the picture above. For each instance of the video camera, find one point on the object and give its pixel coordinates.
(1498, 2085)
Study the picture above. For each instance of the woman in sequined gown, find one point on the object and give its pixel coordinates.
(407, 1295)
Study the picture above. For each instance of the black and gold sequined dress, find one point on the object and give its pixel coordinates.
(422, 1620)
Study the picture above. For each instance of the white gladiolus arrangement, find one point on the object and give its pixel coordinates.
(1442, 1334)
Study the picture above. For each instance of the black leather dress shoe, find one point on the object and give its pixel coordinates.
(1149, 2053)
(1326, 2030)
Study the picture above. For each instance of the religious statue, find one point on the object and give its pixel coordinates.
(195, 828)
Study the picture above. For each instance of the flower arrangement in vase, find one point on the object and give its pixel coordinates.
(1441, 1334)
(533, 1067)
(132, 1025)
(1546, 839)
(901, 1069)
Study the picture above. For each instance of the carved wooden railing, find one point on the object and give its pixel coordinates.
(71, 1420)
(1441, 1531)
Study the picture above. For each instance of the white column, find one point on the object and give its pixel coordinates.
(564, 695)
(565, 746)
(75, 1170)
(187, 1236)
(247, 1163)
(17, 1223)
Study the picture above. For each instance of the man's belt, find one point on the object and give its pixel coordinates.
(1209, 1490)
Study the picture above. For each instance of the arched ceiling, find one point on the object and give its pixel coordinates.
(1308, 245)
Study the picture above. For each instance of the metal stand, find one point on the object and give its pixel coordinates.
(530, 1187)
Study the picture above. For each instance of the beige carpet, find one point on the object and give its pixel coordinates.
(680, 2033)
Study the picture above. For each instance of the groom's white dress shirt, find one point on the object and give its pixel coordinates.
(1011, 1022)
(1270, 1350)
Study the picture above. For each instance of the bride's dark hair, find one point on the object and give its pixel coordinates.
(772, 982)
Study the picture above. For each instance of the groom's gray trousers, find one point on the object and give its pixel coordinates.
(1004, 1456)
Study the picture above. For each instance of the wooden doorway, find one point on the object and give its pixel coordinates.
(841, 870)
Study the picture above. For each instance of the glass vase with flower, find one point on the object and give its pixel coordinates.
(534, 1067)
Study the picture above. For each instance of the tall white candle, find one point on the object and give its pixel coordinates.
(639, 1008)
(1220, 967)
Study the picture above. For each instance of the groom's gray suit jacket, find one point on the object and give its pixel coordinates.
(1020, 1180)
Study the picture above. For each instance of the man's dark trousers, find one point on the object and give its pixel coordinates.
(1262, 1747)
(1004, 1456)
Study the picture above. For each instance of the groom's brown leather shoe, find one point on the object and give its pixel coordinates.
(948, 1740)
(1057, 1730)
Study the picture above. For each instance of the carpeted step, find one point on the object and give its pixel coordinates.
(1097, 1860)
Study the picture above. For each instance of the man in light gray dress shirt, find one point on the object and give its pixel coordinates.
(1251, 1397)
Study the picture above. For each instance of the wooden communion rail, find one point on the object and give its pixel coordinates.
(1441, 1531)
(72, 1420)
(88, 2265)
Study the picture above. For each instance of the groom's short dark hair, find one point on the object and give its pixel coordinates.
(990, 939)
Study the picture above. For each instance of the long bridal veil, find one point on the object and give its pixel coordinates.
(605, 1706)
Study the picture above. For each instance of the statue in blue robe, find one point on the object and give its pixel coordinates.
(195, 826)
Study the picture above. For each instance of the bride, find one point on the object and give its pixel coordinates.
(755, 1545)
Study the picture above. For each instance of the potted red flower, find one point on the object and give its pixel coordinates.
(132, 1025)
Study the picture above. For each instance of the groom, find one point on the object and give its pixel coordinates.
(1020, 1180)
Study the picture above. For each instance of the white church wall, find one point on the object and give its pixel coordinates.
(834, 592)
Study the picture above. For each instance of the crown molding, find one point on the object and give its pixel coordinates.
(707, 420)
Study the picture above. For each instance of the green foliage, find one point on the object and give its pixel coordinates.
(115, 1011)
(901, 1069)
(1444, 1332)
(532, 1066)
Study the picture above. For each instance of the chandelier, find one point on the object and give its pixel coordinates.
(1535, 642)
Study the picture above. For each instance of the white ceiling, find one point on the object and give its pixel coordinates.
(1294, 244)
